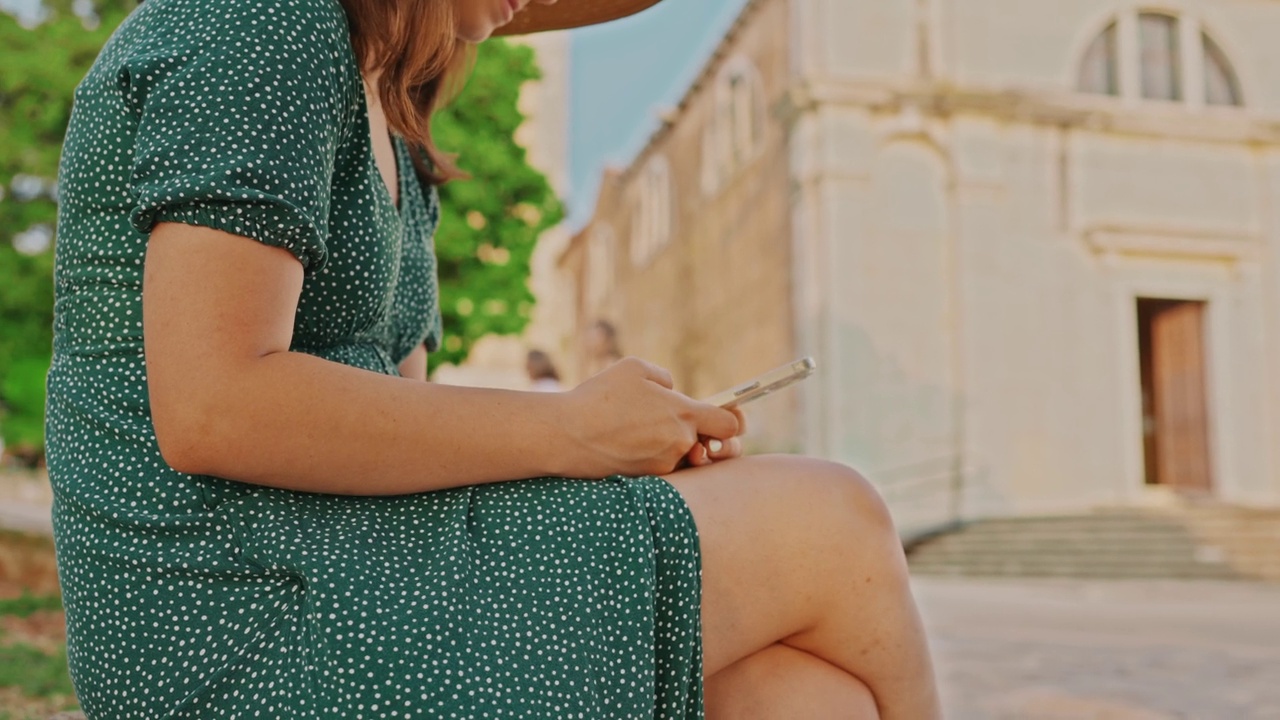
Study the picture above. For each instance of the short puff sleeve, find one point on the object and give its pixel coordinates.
(240, 115)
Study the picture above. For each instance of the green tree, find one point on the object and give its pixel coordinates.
(491, 222)
(489, 226)
(39, 69)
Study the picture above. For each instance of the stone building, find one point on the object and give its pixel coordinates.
(689, 249)
(1033, 244)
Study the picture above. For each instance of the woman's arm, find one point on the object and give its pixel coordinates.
(229, 399)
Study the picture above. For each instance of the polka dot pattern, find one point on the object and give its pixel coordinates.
(201, 597)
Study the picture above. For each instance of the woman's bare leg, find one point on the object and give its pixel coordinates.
(783, 683)
(803, 552)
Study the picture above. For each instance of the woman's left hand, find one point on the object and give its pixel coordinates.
(710, 450)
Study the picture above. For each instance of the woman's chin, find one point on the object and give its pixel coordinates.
(478, 34)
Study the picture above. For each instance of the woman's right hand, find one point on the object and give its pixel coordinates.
(628, 420)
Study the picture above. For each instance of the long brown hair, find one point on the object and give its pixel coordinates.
(421, 65)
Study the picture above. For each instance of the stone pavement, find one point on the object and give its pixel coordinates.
(1104, 650)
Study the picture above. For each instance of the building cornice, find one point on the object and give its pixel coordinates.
(1201, 244)
(1036, 107)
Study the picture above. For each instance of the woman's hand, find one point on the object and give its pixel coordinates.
(628, 420)
(709, 450)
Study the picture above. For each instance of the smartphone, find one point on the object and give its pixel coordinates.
(775, 379)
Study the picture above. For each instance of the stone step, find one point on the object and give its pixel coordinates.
(1136, 523)
(1066, 559)
(1088, 566)
(1181, 542)
(1098, 534)
(1146, 538)
(1204, 558)
(1072, 566)
(1107, 543)
(1207, 554)
(1101, 544)
(1089, 572)
(1132, 522)
(1135, 531)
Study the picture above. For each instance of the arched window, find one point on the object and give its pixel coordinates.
(744, 120)
(1100, 69)
(601, 254)
(1158, 56)
(736, 130)
(1220, 84)
(1160, 59)
(651, 220)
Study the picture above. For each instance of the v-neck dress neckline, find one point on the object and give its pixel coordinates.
(381, 188)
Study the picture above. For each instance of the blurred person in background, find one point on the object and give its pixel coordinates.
(602, 347)
(542, 372)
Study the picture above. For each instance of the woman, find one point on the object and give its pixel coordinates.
(542, 372)
(601, 344)
(262, 510)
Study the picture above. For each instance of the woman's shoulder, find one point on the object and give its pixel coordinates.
(239, 27)
(237, 50)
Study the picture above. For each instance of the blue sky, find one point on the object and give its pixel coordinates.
(623, 73)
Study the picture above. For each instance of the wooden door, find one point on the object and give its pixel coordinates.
(1179, 408)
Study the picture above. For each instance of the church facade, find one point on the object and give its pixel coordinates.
(1033, 245)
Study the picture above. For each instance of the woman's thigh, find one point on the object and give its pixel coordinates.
(777, 532)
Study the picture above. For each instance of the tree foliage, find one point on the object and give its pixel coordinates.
(491, 222)
(489, 226)
(39, 69)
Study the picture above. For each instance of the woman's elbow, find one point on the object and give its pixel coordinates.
(184, 430)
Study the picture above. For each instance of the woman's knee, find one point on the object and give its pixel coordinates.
(844, 501)
(811, 516)
(853, 528)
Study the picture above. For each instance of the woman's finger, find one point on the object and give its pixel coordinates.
(712, 421)
(650, 371)
(698, 455)
(724, 449)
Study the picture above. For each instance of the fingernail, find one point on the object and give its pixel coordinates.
(715, 446)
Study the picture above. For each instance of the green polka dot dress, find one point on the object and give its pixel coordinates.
(200, 597)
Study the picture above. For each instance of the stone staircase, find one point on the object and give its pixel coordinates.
(1191, 541)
